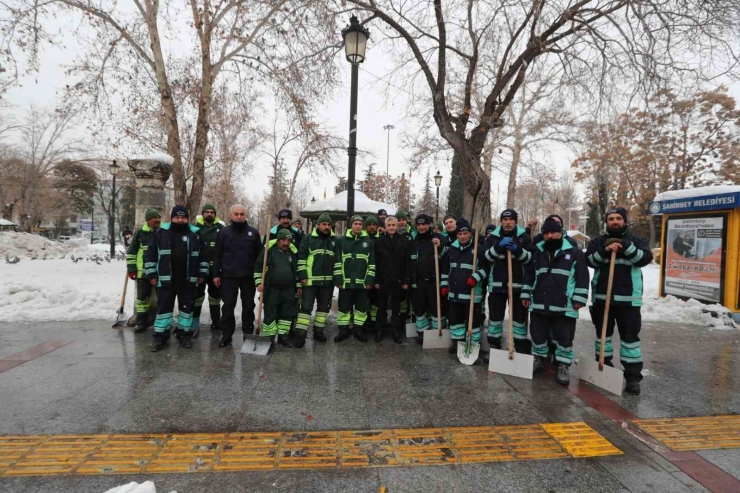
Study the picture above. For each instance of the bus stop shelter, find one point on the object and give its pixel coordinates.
(700, 244)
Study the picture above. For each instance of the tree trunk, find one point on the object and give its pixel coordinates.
(515, 159)
(201, 140)
(476, 188)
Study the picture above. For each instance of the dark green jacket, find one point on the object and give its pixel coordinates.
(354, 261)
(140, 241)
(282, 268)
(316, 259)
(208, 235)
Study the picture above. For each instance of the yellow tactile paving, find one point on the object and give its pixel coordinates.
(215, 452)
(710, 432)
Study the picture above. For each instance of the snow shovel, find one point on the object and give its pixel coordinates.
(253, 343)
(596, 373)
(121, 316)
(440, 339)
(467, 352)
(509, 362)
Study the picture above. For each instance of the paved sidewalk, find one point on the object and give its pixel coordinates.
(107, 381)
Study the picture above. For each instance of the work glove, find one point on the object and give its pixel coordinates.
(614, 240)
(472, 282)
(445, 291)
(503, 245)
(132, 276)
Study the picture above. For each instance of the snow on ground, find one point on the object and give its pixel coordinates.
(133, 487)
(60, 289)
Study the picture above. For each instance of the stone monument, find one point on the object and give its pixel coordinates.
(151, 174)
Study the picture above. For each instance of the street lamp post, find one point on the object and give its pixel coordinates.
(114, 169)
(355, 43)
(438, 182)
(388, 149)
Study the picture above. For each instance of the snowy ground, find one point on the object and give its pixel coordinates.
(60, 289)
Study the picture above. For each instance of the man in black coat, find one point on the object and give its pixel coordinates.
(391, 279)
(237, 248)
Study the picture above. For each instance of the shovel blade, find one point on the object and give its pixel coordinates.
(472, 357)
(520, 366)
(256, 345)
(121, 318)
(610, 379)
(411, 330)
(432, 339)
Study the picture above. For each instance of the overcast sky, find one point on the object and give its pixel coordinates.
(44, 89)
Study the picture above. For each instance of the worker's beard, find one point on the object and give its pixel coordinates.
(616, 232)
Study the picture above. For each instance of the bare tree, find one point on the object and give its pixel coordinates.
(442, 45)
(280, 41)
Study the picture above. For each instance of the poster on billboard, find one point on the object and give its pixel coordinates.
(694, 257)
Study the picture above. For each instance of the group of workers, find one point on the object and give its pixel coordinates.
(384, 266)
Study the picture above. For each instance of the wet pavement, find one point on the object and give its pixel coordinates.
(106, 380)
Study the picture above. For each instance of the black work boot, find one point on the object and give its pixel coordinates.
(186, 339)
(563, 375)
(342, 335)
(494, 342)
(318, 335)
(357, 333)
(398, 335)
(215, 317)
(453, 348)
(284, 340)
(160, 340)
(420, 337)
(300, 339)
(633, 388)
(224, 341)
(378, 334)
(142, 323)
(537, 366)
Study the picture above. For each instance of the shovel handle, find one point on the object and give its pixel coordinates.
(472, 290)
(123, 295)
(436, 277)
(511, 305)
(264, 268)
(606, 309)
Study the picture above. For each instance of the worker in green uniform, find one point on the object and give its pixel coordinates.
(316, 273)
(371, 227)
(354, 276)
(279, 287)
(208, 226)
(140, 242)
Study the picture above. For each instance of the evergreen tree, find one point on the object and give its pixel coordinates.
(426, 203)
(369, 185)
(455, 197)
(593, 221)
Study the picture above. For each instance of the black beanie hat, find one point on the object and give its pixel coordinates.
(463, 225)
(617, 210)
(553, 216)
(382, 212)
(551, 226)
(424, 219)
(180, 210)
(511, 214)
(285, 213)
(490, 228)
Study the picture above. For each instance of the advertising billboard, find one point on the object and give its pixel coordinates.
(695, 257)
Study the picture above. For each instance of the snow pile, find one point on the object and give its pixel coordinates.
(696, 192)
(160, 157)
(61, 290)
(145, 487)
(27, 245)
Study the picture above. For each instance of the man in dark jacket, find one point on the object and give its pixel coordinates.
(285, 217)
(392, 279)
(538, 237)
(423, 276)
(173, 264)
(208, 226)
(354, 276)
(459, 277)
(508, 237)
(316, 273)
(279, 287)
(555, 288)
(140, 242)
(237, 248)
(632, 255)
